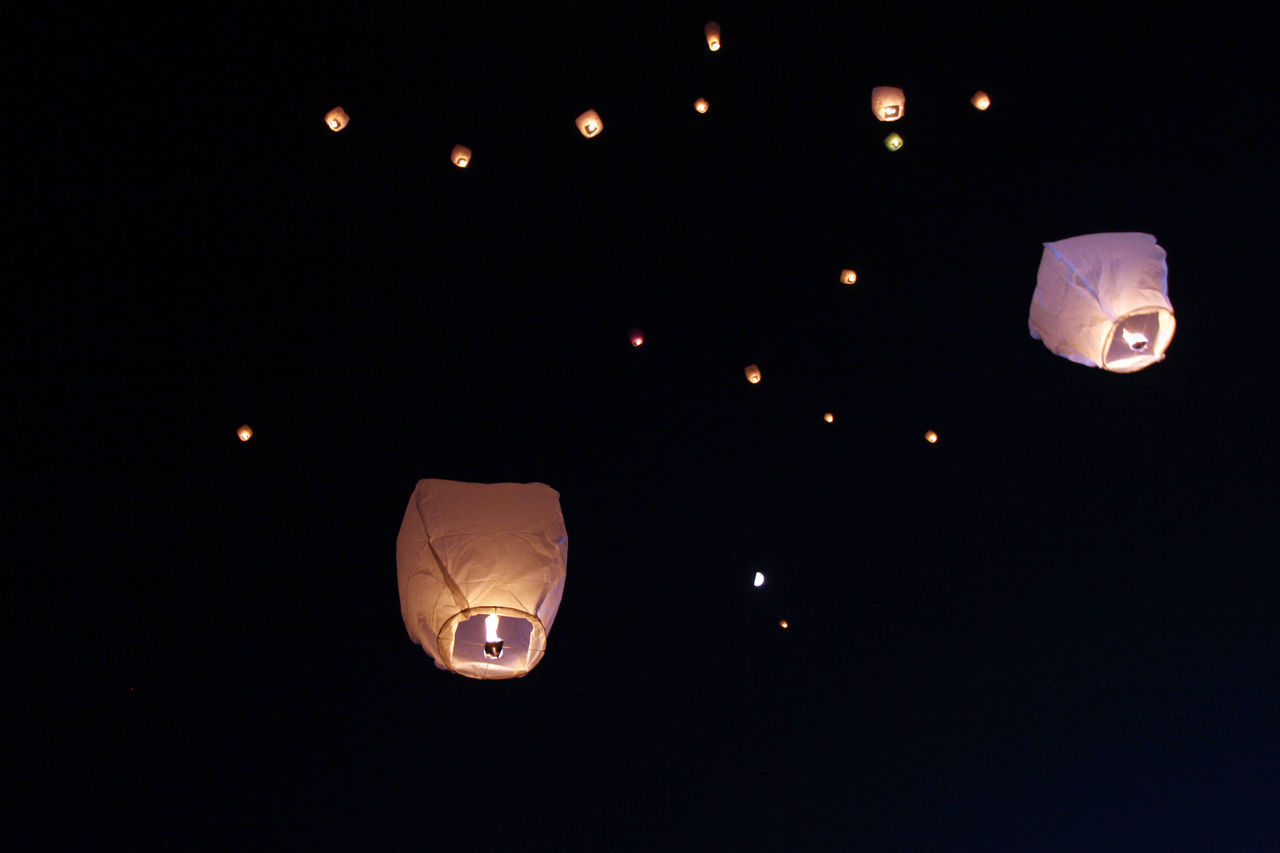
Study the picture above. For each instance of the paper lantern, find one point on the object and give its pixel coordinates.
(888, 103)
(337, 119)
(753, 373)
(461, 156)
(931, 437)
(783, 623)
(893, 142)
(481, 571)
(758, 580)
(637, 337)
(712, 29)
(589, 124)
(829, 418)
(245, 433)
(980, 100)
(1103, 300)
(701, 105)
(848, 276)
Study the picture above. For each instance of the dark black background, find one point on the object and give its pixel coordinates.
(1054, 629)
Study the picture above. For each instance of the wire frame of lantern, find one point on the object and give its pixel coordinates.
(893, 142)
(712, 32)
(753, 374)
(461, 156)
(337, 119)
(245, 432)
(590, 124)
(848, 276)
(888, 103)
(980, 100)
(701, 105)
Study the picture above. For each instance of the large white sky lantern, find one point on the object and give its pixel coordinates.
(888, 103)
(481, 569)
(1103, 300)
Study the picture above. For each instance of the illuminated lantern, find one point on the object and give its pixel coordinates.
(759, 580)
(481, 571)
(712, 29)
(888, 103)
(589, 124)
(701, 105)
(931, 437)
(753, 373)
(848, 276)
(783, 623)
(893, 142)
(461, 156)
(829, 418)
(337, 119)
(245, 433)
(980, 100)
(1103, 300)
(637, 337)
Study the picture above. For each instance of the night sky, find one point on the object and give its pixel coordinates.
(1054, 629)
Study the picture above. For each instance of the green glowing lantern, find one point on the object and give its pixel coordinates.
(893, 142)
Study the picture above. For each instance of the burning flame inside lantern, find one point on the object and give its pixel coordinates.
(1136, 340)
(492, 642)
(848, 276)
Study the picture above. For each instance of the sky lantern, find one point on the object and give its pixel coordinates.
(1103, 300)
(590, 124)
(337, 119)
(888, 103)
(712, 29)
(782, 623)
(245, 432)
(931, 437)
(637, 337)
(461, 156)
(893, 142)
(758, 580)
(481, 570)
(980, 100)
(701, 105)
(848, 276)
(753, 373)
(829, 417)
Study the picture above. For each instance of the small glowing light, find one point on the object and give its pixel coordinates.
(848, 276)
(637, 337)
(931, 437)
(759, 581)
(590, 124)
(701, 105)
(784, 623)
(492, 642)
(980, 100)
(461, 156)
(753, 373)
(337, 119)
(1136, 340)
(245, 433)
(893, 142)
(712, 30)
(828, 417)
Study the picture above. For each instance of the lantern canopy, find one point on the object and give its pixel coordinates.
(888, 103)
(589, 124)
(1103, 300)
(337, 119)
(701, 105)
(636, 337)
(980, 100)
(848, 276)
(461, 156)
(712, 30)
(245, 432)
(481, 570)
(753, 373)
(893, 142)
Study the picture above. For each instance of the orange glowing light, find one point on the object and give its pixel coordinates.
(337, 119)
(848, 276)
(784, 623)
(245, 433)
(931, 437)
(980, 100)
(828, 417)
(461, 156)
(701, 105)
(712, 30)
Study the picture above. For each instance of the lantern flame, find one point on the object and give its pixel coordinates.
(492, 642)
(1136, 340)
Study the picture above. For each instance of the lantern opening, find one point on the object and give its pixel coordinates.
(1142, 340)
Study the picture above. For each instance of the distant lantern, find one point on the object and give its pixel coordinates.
(1103, 300)
(712, 29)
(931, 437)
(461, 156)
(829, 418)
(783, 623)
(337, 119)
(888, 103)
(848, 276)
(590, 124)
(980, 100)
(893, 142)
(481, 572)
(245, 433)
(637, 338)
(701, 105)
(753, 373)
(758, 580)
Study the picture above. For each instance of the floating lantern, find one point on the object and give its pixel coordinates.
(848, 276)
(829, 418)
(980, 100)
(461, 156)
(712, 29)
(893, 142)
(1103, 300)
(481, 571)
(759, 579)
(589, 124)
(783, 623)
(701, 105)
(753, 373)
(337, 119)
(931, 437)
(637, 337)
(888, 103)
(245, 433)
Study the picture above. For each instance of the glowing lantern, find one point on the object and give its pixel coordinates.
(481, 572)
(701, 105)
(461, 156)
(893, 142)
(1103, 300)
(931, 437)
(980, 100)
(783, 623)
(848, 276)
(245, 433)
(829, 418)
(712, 29)
(759, 579)
(337, 119)
(888, 103)
(589, 124)
(753, 373)
(637, 337)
